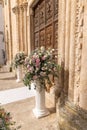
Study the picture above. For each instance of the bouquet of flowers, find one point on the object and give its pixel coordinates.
(40, 65)
(18, 59)
(5, 120)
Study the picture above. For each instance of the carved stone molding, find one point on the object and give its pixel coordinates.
(25, 5)
(15, 9)
(78, 49)
(22, 6)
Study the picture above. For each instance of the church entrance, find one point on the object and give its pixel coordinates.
(45, 23)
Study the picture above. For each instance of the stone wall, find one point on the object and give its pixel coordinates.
(72, 104)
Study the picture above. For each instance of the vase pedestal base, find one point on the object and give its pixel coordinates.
(40, 113)
(18, 80)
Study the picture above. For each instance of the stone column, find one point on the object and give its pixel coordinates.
(21, 29)
(67, 46)
(31, 34)
(61, 39)
(16, 11)
(72, 50)
(83, 76)
(25, 29)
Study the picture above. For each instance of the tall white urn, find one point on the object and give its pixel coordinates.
(19, 73)
(40, 109)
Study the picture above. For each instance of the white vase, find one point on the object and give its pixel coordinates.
(19, 73)
(40, 109)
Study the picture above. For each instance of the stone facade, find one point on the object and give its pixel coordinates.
(16, 27)
(71, 91)
(72, 111)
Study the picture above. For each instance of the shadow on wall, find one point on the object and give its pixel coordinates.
(62, 85)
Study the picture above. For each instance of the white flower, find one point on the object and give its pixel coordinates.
(42, 48)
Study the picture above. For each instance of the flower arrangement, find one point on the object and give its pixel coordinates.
(40, 65)
(5, 120)
(18, 59)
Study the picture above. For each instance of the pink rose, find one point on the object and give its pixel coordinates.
(34, 77)
(43, 58)
(37, 62)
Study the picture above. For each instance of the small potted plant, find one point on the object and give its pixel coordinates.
(17, 63)
(40, 66)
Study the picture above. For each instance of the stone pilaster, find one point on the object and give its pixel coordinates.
(31, 34)
(78, 50)
(10, 33)
(21, 28)
(72, 50)
(61, 40)
(67, 46)
(25, 29)
(16, 11)
(83, 77)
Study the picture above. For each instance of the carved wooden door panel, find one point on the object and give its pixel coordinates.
(46, 23)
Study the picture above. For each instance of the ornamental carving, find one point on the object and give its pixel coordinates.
(42, 38)
(36, 39)
(46, 23)
(42, 14)
(78, 45)
(49, 36)
(56, 35)
(15, 10)
(36, 19)
(55, 8)
(49, 10)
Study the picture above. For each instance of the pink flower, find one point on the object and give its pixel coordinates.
(31, 69)
(34, 77)
(37, 62)
(43, 58)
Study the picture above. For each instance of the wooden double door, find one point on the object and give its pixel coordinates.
(46, 23)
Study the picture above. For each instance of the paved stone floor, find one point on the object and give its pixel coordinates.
(23, 115)
(8, 81)
(21, 110)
